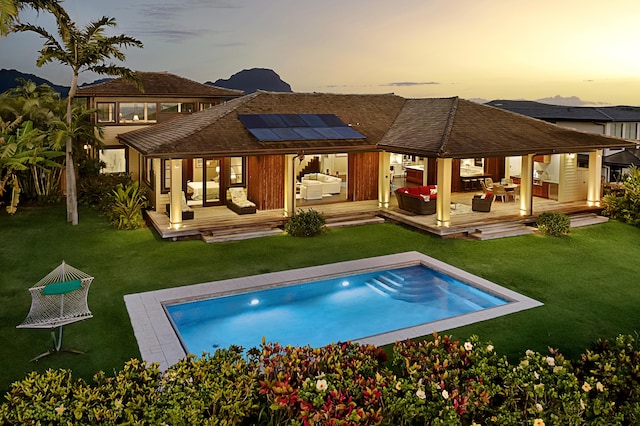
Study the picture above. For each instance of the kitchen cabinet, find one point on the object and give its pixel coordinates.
(540, 188)
(542, 158)
(414, 175)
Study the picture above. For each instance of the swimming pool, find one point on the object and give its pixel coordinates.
(158, 341)
(321, 312)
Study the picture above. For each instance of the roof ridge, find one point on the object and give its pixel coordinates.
(449, 126)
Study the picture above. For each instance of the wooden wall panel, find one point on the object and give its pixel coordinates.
(494, 166)
(265, 185)
(363, 176)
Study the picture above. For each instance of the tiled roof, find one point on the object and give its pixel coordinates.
(569, 113)
(458, 128)
(156, 84)
(217, 130)
(623, 158)
(449, 127)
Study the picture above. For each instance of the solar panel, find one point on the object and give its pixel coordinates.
(297, 127)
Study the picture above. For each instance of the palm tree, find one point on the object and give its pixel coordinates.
(86, 49)
(10, 9)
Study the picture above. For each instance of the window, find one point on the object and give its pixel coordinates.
(616, 129)
(147, 171)
(172, 107)
(206, 105)
(106, 112)
(138, 112)
(115, 160)
(236, 176)
(631, 130)
(166, 175)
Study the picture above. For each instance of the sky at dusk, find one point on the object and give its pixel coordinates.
(475, 49)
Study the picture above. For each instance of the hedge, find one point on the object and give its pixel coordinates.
(432, 382)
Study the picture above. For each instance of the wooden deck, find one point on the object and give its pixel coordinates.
(221, 224)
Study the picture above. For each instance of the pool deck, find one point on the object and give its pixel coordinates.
(159, 343)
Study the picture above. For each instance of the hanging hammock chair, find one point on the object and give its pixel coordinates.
(58, 299)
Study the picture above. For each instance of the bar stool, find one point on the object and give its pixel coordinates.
(475, 184)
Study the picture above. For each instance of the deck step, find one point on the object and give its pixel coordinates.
(221, 236)
(501, 230)
(586, 219)
(354, 222)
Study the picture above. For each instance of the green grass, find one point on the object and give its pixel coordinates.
(588, 280)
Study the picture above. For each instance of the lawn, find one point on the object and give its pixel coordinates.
(588, 280)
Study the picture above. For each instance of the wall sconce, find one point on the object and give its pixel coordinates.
(572, 155)
(136, 118)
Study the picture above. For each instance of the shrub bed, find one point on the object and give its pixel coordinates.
(438, 381)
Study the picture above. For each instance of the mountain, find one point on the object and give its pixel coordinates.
(247, 80)
(8, 81)
(252, 80)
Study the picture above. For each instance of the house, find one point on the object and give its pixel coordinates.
(124, 108)
(617, 121)
(260, 142)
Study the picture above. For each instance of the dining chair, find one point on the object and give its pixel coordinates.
(499, 192)
(484, 187)
(488, 182)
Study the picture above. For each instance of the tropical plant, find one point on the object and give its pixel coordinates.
(25, 151)
(625, 207)
(128, 205)
(86, 49)
(305, 223)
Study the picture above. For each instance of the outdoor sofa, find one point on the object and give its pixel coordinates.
(418, 199)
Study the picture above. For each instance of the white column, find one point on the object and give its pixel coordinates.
(290, 185)
(595, 176)
(425, 174)
(384, 178)
(526, 185)
(443, 204)
(175, 215)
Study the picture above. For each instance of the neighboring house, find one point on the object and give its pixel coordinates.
(259, 140)
(618, 121)
(124, 108)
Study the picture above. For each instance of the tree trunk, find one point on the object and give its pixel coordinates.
(72, 193)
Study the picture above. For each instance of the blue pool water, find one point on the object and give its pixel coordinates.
(321, 312)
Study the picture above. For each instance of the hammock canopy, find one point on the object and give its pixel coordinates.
(58, 299)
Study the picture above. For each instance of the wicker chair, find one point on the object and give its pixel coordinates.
(479, 204)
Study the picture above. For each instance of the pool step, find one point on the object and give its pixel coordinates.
(401, 288)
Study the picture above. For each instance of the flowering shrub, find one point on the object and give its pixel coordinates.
(438, 381)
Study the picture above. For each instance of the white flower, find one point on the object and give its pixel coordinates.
(586, 387)
(538, 406)
(528, 352)
(600, 387)
(398, 386)
(536, 375)
(551, 361)
(489, 348)
(321, 385)
(60, 409)
(538, 422)
(420, 394)
(445, 394)
(468, 346)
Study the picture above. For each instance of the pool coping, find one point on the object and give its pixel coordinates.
(159, 343)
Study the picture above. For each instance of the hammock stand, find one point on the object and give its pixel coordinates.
(58, 299)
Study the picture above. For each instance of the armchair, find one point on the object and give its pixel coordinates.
(482, 203)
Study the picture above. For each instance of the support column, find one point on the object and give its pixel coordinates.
(594, 185)
(290, 185)
(384, 178)
(443, 204)
(425, 171)
(526, 185)
(175, 192)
